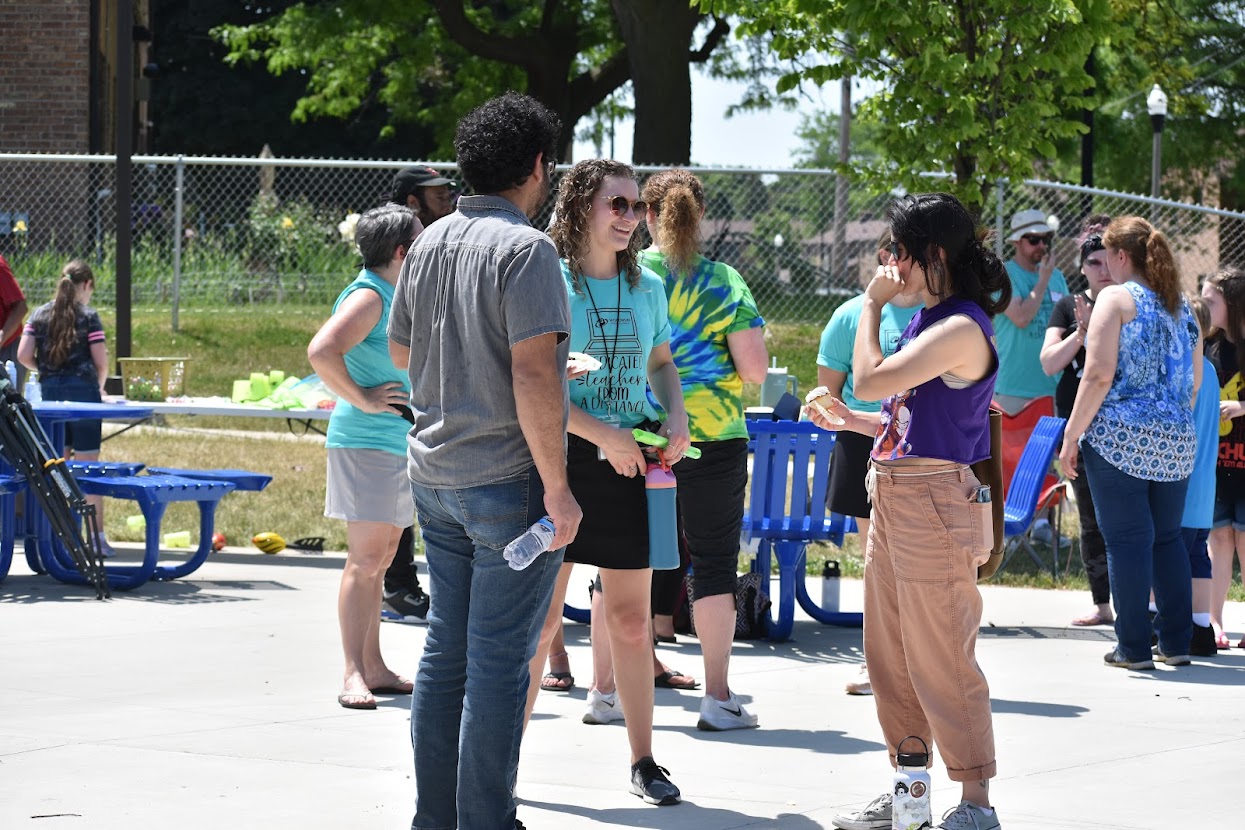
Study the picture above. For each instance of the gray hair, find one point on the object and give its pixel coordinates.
(381, 230)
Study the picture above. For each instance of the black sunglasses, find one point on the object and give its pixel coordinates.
(620, 204)
(1036, 239)
(894, 249)
(550, 166)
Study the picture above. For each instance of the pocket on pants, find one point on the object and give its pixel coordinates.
(496, 514)
(982, 515)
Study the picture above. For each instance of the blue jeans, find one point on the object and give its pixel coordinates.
(1140, 522)
(483, 627)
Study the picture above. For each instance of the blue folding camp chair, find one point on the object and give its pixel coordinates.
(1027, 494)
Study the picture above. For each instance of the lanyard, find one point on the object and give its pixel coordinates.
(610, 352)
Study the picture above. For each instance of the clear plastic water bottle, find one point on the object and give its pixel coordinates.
(523, 551)
(34, 390)
(11, 369)
(910, 809)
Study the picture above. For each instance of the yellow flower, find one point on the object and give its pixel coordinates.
(19, 226)
(287, 222)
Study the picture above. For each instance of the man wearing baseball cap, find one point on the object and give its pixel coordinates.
(1036, 286)
(424, 191)
(404, 600)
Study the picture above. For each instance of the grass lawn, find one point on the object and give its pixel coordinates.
(224, 345)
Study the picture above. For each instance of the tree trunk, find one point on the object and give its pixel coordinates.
(658, 35)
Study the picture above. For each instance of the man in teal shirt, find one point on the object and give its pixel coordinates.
(1036, 286)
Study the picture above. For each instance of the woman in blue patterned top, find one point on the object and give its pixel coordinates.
(1133, 420)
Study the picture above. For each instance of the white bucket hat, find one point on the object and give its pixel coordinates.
(1028, 221)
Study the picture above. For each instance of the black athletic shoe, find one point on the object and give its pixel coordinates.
(405, 606)
(650, 783)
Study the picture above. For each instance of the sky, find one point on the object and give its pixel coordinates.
(764, 140)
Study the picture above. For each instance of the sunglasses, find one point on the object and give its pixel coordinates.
(619, 205)
(550, 166)
(894, 249)
(1035, 239)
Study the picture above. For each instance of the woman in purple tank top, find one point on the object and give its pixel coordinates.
(931, 527)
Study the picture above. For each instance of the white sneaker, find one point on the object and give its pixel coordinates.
(861, 685)
(721, 715)
(602, 708)
(876, 815)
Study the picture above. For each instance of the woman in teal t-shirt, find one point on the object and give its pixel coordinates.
(367, 484)
(618, 316)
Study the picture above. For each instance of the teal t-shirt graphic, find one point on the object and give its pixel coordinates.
(619, 326)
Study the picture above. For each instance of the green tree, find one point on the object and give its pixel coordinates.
(429, 61)
(975, 89)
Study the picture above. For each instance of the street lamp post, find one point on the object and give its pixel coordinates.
(1156, 103)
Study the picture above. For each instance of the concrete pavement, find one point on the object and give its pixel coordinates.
(210, 702)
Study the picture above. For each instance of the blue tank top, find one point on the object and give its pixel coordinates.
(934, 420)
(369, 365)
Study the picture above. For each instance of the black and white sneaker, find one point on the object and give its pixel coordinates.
(650, 783)
(405, 606)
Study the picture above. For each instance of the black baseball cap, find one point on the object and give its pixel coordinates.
(405, 181)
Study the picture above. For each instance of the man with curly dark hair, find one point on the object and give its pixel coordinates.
(480, 319)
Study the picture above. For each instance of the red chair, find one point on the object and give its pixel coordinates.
(1016, 432)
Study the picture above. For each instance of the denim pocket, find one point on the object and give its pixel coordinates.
(496, 514)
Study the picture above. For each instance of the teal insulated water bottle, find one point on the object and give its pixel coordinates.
(663, 529)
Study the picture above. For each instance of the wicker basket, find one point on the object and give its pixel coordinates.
(153, 378)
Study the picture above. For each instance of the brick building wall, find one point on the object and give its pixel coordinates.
(45, 76)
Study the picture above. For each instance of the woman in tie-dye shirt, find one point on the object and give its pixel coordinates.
(717, 343)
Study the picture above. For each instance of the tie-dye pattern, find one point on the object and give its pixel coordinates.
(707, 305)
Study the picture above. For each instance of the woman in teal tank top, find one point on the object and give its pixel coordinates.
(367, 483)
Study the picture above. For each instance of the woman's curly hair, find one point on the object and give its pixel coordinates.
(577, 196)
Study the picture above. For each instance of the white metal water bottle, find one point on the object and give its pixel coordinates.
(830, 586)
(910, 808)
(523, 551)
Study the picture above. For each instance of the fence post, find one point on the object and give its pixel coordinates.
(998, 219)
(178, 189)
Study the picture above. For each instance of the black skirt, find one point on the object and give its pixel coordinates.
(614, 530)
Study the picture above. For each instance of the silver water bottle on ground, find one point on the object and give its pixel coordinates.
(830, 586)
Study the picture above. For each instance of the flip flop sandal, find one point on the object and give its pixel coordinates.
(1221, 642)
(665, 680)
(393, 690)
(1092, 619)
(356, 701)
(552, 682)
(661, 638)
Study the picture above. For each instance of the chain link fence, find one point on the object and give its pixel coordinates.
(223, 232)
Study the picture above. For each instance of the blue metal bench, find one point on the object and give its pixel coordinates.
(10, 486)
(242, 479)
(103, 468)
(153, 493)
(785, 515)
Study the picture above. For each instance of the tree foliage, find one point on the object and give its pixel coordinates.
(975, 89)
(430, 61)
